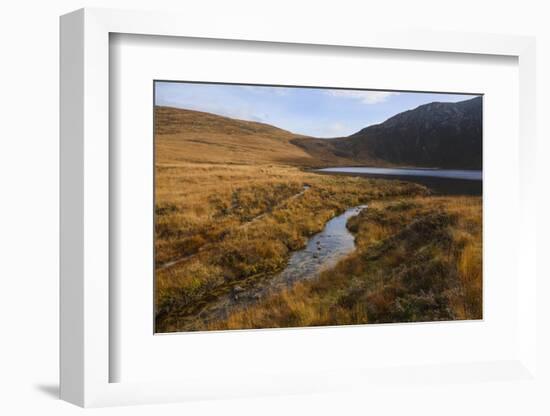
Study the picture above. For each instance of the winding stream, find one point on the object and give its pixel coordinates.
(322, 252)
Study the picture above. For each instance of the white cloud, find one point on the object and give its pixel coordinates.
(366, 97)
(282, 91)
(336, 128)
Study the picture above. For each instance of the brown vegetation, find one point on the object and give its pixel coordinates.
(232, 203)
(194, 136)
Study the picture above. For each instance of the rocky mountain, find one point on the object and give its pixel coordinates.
(444, 135)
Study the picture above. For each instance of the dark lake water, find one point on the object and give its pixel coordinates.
(473, 175)
(441, 181)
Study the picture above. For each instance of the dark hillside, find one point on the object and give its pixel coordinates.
(444, 135)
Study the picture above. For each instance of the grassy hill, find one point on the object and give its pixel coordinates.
(194, 136)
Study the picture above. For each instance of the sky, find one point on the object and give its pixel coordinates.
(313, 112)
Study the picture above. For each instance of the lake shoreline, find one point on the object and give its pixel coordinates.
(465, 174)
(438, 185)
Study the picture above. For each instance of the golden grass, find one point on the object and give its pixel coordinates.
(232, 205)
(192, 136)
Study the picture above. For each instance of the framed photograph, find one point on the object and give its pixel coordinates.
(281, 213)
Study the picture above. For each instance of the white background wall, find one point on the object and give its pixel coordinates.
(29, 182)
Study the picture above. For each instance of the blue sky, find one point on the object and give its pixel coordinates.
(310, 111)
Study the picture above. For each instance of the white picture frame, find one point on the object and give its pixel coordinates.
(85, 220)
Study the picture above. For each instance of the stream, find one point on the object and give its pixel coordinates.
(323, 251)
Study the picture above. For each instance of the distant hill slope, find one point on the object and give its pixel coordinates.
(194, 136)
(446, 135)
